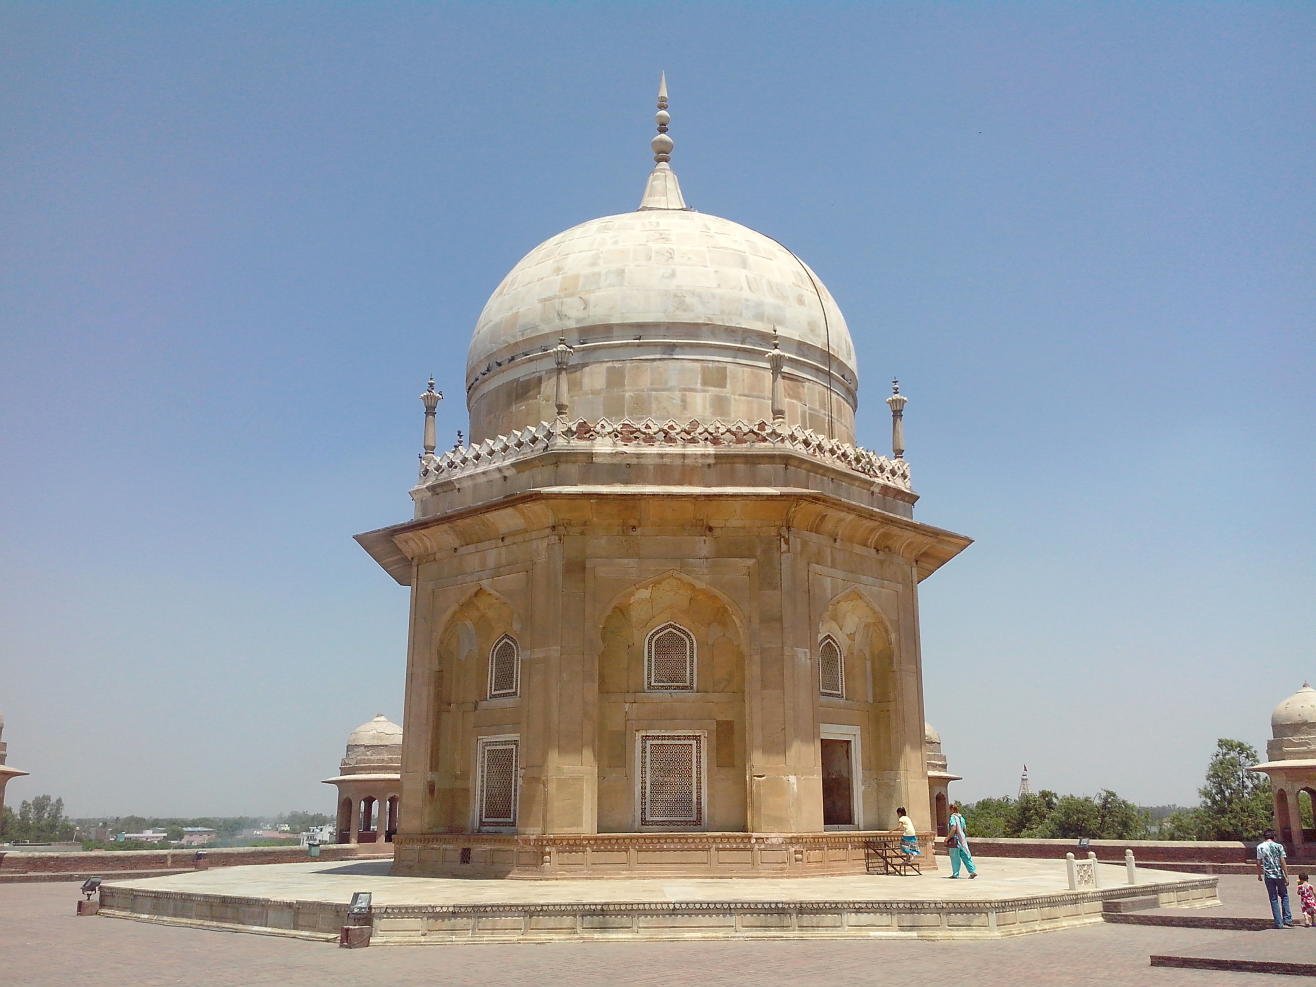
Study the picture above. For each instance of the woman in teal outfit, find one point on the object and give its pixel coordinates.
(958, 842)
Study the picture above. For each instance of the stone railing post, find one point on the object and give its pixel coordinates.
(1130, 868)
(1071, 871)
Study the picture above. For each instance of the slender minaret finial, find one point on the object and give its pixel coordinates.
(776, 361)
(1025, 787)
(896, 402)
(562, 354)
(431, 398)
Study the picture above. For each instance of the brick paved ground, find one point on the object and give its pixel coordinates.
(42, 942)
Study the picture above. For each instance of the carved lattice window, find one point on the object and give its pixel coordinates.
(831, 668)
(504, 668)
(497, 782)
(669, 660)
(671, 780)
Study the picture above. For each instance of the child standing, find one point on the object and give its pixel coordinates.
(1307, 896)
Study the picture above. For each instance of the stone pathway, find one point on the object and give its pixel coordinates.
(42, 943)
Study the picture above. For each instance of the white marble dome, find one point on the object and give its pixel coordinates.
(378, 732)
(670, 314)
(1296, 714)
(652, 268)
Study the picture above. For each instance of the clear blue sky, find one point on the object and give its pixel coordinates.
(238, 237)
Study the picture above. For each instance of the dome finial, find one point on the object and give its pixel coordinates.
(662, 144)
(663, 190)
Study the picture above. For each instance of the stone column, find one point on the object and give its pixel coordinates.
(907, 728)
(418, 711)
(779, 754)
(559, 779)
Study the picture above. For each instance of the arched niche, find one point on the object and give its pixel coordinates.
(867, 706)
(632, 711)
(465, 643)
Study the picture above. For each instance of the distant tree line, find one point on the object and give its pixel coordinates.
(40, 820)
(1048, 816)
(1236, 805)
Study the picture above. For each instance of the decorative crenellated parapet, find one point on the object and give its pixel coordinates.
(648, 433)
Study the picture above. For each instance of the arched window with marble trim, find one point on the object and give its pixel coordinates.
(669, 659)
(504, 668)
(831, 668)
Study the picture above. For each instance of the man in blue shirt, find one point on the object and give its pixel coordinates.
(1272, 868)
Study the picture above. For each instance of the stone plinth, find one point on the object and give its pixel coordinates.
(310, 901)
(634, 855)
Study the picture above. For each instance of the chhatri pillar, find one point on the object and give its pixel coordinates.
(6, 773)
(664, 610)
(1291, 767)
(369, 783)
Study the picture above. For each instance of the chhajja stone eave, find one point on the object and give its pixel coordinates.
(602, 510)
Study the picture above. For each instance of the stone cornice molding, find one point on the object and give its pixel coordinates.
(600, 508)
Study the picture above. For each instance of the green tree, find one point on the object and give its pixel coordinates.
(41, 820)
(1236, 802)
(987, 817)
(1027, 816)
(1185, 824)
(1119, 819)
(1074, 816)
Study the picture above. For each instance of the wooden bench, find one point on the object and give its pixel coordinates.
(882, 855)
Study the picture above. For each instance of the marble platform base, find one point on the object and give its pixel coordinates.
(310, 901)
(639, 855)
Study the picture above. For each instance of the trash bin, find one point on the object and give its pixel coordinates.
(313, 849)
(199, 861)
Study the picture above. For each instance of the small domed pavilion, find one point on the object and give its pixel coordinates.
(1292, 768)
(6, 772)
(939, 779)
(370, 783)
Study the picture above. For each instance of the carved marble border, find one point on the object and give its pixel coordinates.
(693, 434)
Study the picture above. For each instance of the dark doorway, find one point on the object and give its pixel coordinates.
(838, 792)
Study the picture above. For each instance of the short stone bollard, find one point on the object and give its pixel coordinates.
(88, 907)
(1130, 867)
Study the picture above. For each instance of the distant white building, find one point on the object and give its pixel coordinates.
(319, 834)
(146, 836)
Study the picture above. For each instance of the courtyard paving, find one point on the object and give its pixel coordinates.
(43, 943)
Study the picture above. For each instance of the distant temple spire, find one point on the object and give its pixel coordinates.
(663, 191)
(1024, 787)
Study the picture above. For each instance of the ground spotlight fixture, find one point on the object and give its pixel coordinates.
(360, 905)
(90, 886)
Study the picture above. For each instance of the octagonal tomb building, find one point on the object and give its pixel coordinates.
(664, 611)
